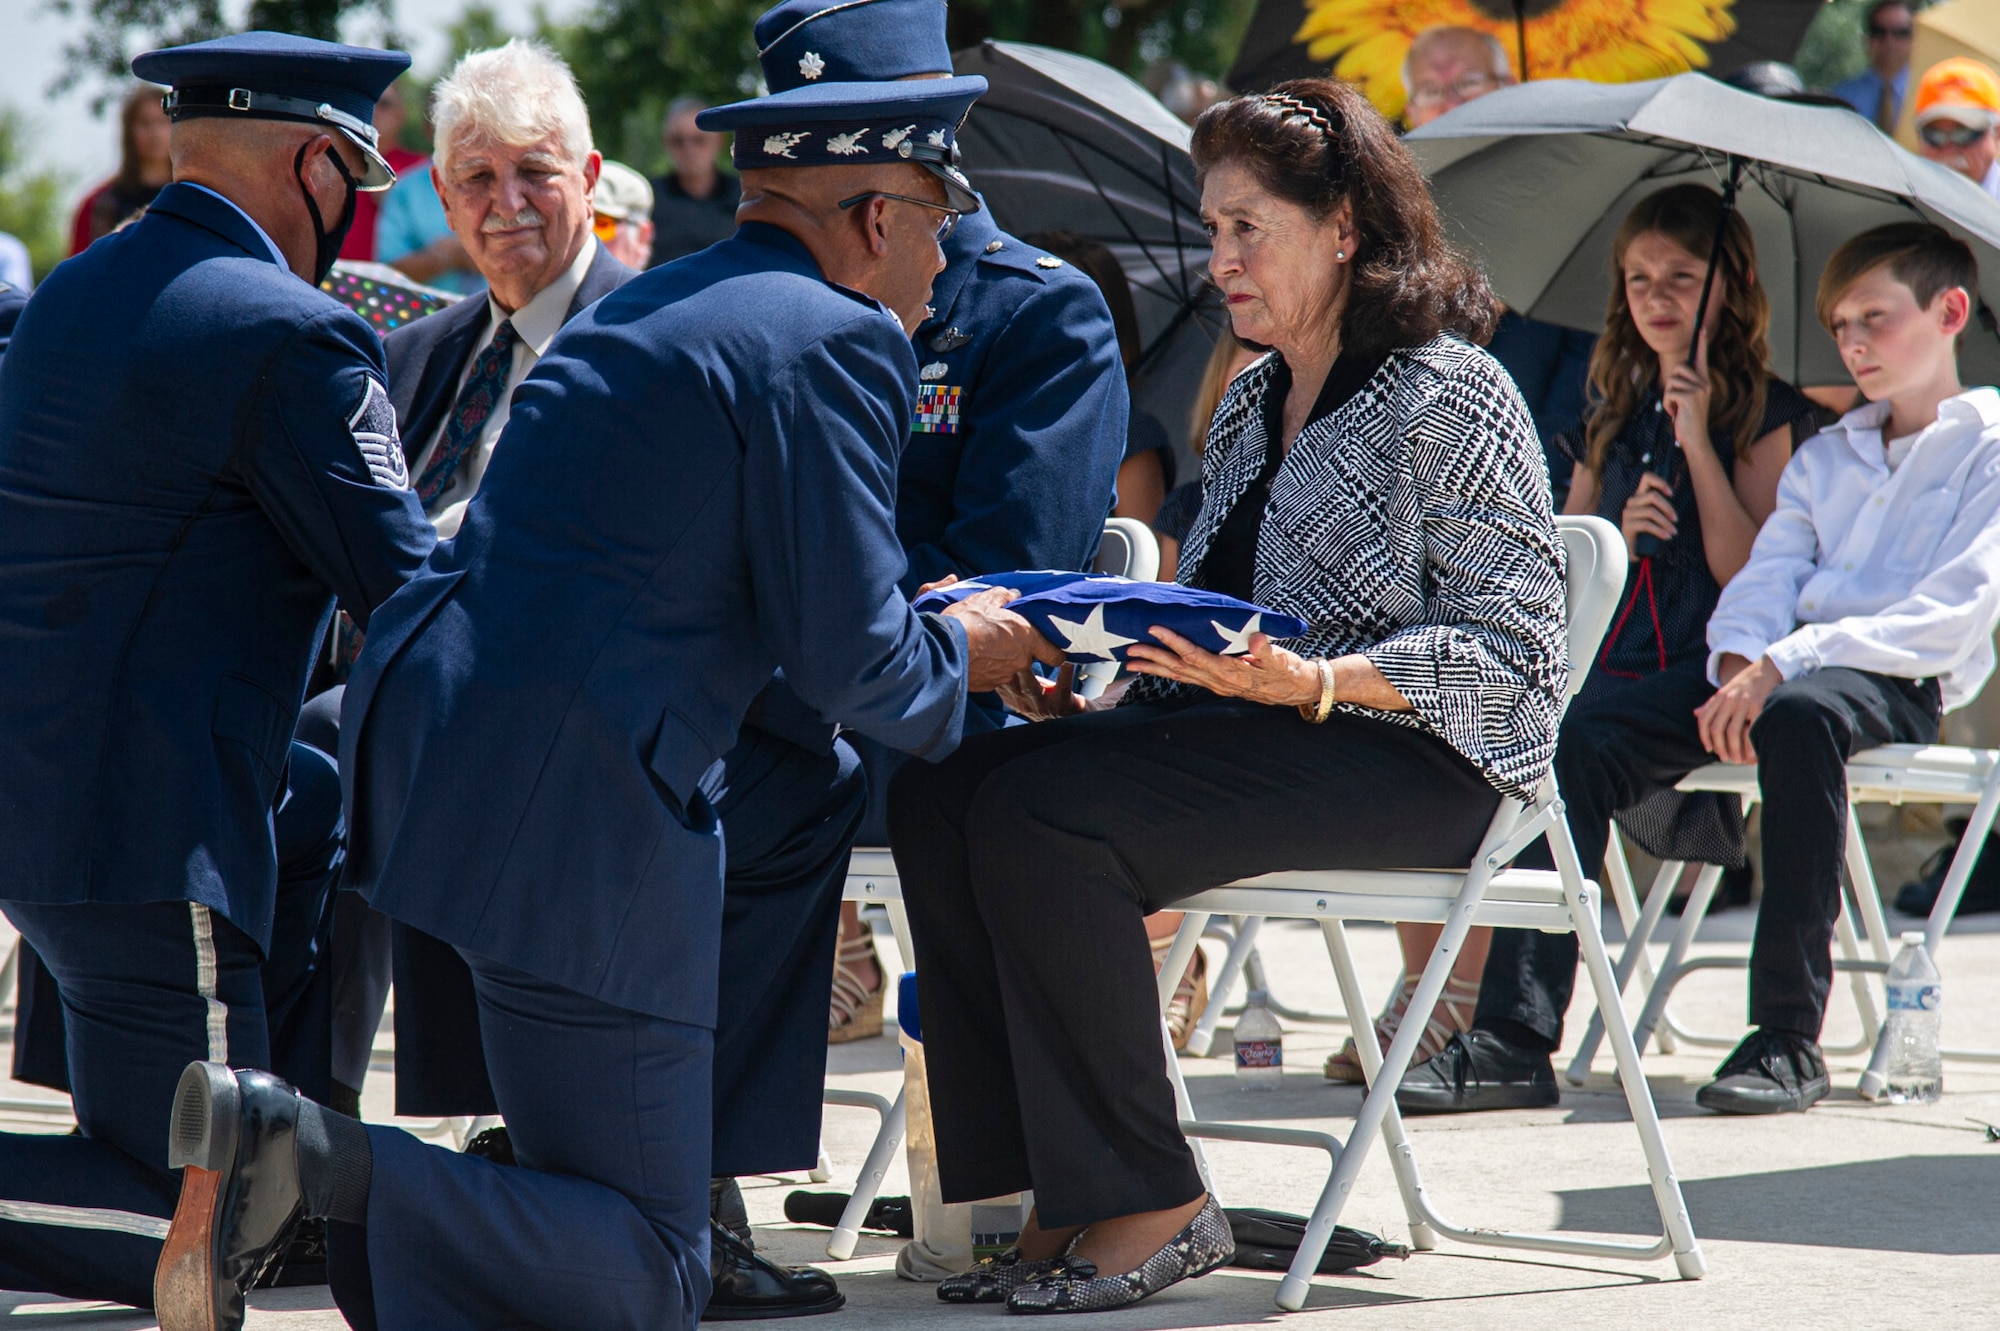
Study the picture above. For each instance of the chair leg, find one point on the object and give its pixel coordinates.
(1381, 1098)
(1670, 969)
(1638, 1097)
(1186, 941)
(1618, 875)
(888, 1140)
(1632, 960)
(1401, 1158)
(1202, 1037)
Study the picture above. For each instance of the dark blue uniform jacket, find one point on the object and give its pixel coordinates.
(197, 455)
(1021, 416)
(695, 488)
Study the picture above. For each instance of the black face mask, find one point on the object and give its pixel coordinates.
(326, 243)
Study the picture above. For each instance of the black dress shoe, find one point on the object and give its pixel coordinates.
(303, 1262)
(493, 1144)
(235, 1133)
(1478, 1070)
(1771, 1072)
(749, 1286)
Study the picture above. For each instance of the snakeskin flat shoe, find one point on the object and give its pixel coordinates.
(1076, 1287)
(992, 1279)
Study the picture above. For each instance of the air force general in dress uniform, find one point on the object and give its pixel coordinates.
(1021, 411)
(196, 457)
(621, 604)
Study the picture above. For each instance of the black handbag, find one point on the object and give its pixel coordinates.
(1269, 1241)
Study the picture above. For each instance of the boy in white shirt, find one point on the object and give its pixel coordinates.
(1866, 610)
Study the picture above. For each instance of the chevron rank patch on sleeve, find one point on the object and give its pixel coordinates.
(373, 426)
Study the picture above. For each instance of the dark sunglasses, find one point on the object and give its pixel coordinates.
(944, 227)
(1882, 34)
(1950, 136)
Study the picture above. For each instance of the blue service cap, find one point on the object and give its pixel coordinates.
(276, 76)
(1098, 617)
(856, 124)
(850, 41)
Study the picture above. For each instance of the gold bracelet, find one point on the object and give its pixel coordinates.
(1318, 712)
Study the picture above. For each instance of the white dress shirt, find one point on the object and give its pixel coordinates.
(1896, 571)
(535, 326)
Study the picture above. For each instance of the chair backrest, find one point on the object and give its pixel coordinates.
(1129, 549)
(1598, 563)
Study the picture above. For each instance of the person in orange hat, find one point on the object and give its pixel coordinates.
(1958, 110)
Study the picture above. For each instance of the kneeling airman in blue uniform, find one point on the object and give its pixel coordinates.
(621, 605)
(197, 455)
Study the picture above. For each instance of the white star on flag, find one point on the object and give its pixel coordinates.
(1090, 638)
(1238, 644)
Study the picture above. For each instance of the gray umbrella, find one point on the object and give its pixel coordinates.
(1061, 141)
(1536, 178)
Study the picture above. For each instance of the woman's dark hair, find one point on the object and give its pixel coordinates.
(1315, 142)
(131, 176)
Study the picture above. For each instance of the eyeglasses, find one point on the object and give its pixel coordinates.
(944, 227)
(604, 228)
(1885, 34)
(1941, 134)
(1465, 87)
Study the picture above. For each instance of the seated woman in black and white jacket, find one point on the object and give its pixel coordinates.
(1375, 475)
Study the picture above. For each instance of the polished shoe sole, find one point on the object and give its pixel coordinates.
(1725, 1102)
(714, 1314)
(202, 1142)
(1496, 1097)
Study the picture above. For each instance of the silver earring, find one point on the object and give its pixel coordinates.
(1339, 255)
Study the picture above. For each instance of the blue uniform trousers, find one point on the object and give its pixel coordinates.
(789, 815)
(298, 986)
(603, 1224)
(146, 990)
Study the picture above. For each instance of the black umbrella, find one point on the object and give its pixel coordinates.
(1061, 141)
(1536, 179)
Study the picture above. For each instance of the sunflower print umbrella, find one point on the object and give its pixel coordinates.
(1606, 41)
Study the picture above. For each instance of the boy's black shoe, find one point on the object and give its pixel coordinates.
(1478, 1070)
(1771, 1072)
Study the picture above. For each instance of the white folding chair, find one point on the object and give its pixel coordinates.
(1128, 549)
(1482, 894)
(1892, 774)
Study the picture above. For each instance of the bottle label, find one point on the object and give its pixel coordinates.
(1260, 1054)
(1915, 997)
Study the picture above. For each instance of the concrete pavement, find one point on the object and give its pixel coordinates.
(1854, 1215)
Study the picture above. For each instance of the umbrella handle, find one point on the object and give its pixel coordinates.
(1729, 189)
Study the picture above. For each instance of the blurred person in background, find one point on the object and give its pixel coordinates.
(694, 205)
(1176, 514)
(1958, 112)
(624, 225)
(413, 237)
(392, 112)
(1447, 67)
(15, 269)
(1877, 91)
(143, 169)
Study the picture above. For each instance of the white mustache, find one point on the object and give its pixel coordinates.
(527, 217)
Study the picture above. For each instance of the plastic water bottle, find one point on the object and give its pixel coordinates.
(1260, 1045)
(1916, 1068)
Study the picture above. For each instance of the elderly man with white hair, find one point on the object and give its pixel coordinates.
(516, 171)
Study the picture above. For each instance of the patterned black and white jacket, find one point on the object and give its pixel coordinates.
(1412, 525)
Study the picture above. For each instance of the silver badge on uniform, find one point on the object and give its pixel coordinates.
(373, 426)
(936, 370)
